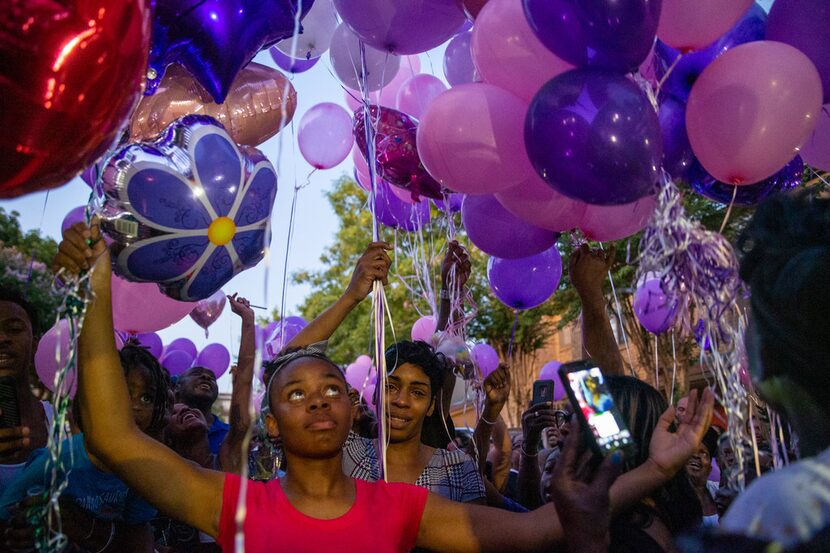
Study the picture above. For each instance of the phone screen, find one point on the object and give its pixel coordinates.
(597, 406)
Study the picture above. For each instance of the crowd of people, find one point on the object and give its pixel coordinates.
(150, 467)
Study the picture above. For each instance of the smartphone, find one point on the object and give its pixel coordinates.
(9, 407)
(542, 392)
(598, 415)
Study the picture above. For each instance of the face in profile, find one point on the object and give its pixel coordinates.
(16, 337)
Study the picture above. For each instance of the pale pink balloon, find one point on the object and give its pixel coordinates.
(507, 53)
(535, 202)
(417, 93)
(423, 329)
(688, 25)
(752, 109)
(386, 96)
(816, 151)
(471, 139)
(603, 223)
(140, 307)
(325, 135)
(344, 54)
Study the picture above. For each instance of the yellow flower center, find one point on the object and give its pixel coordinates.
(221, 231)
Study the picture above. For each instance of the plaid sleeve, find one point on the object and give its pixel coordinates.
(472, 484)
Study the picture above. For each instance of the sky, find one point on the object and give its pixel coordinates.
(315, 222)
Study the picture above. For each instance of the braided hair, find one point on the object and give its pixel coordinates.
(134, 356)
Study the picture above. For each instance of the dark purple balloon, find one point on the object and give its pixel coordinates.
(453, 199)
(214, 39)
(528, 282)
(393, 212)
(677, 152)
(176, 362)
(594, 136)
(749, 28)
(792, 22)
(292, 65)
(788, 178)
(608, 34)
(458, 60)
(499, 233)
(396, 150)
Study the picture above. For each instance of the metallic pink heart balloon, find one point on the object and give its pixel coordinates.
(208, 310)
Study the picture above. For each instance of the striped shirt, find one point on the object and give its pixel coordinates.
(450, 474)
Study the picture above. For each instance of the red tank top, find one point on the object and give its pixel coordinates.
(384, 519)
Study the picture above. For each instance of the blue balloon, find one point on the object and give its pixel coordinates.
(214, 39)
(788, 178)
(751, 27)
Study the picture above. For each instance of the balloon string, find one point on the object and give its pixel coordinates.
(669, 71)
(656, 365)
(729, 209)
(513, 336)
(620, 320)
(674, 369)
(32, 263)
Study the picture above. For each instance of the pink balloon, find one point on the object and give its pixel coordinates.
(535, 202)
(141, 307)
(53, 345)
(344, 53)
(214, 357)
(752, 109)
(75, 215)
(325, 135)
(614, 222)
(403, 194)
(423, 329)
(486, 358)
(182, 344)
(471, 139)
(208, 310)
(688, 25)
(357, 375)
(816, 151)
(364, 361)
(550, 371)
(507, 53)
(417, 92)
(176, 362)
(152, 342)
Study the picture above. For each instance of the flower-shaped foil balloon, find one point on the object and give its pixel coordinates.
(188, 211)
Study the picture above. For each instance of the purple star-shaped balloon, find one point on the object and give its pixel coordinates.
(214, 39)
(188, 211)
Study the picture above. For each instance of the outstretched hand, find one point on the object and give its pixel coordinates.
(373, 265)
(242, 307)
(669, 451)
(458, 257)
(589, 268)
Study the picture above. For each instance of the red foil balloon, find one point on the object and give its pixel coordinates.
(396, 151)
(70, 73)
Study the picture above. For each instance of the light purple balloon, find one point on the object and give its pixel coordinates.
(528, 282)
(417, 92)
(90, 175)
(816, 152)
(653, 308)
(287, 63)
(214, 357)
(550, 371)
(282, 334)
(393, 212)
(176, 362)
(486, 358)
(152, 342)
(182, 344)
(402, 26)
(325, 135)
(344, 53)
(458, 60)
(423, 329)
(454, 201)
(498, 232)
(75, 215)
(359, 375)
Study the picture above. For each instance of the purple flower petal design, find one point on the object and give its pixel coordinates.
(215, 273)
(250, 247)
(161, 260)
(217, 166)
(161, 197)
(259, 198)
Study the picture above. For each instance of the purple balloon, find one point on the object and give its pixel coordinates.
(550, 371)
(499, 233)
(75, 215)
(182, 344)
(677, 152)
(208, 310)
(458, 60)
(325, 135)
(214, 39)
(152, 342)
(176, 362)
(454, 202)
(214, 357)
(653, 308)
(292, 65)
(750, 27)
(90, 175)
(486, 358)
(816, 152)
(788, 178)
(607, 34)
(393, 212)
(528, 282)
(788, 23)
(402, 26)
(594, 136)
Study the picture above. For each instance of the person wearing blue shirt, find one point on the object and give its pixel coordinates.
(197, 388)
